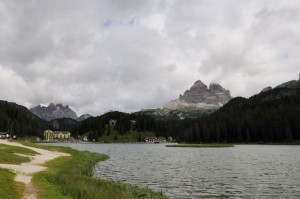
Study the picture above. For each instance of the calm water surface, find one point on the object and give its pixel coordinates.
(248, 171)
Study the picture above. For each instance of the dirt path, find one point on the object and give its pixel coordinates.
(25, 171)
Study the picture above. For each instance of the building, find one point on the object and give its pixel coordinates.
(51, 136)
(112, 122)
(155, 140)
(83, 138)
(48, 135)
(4, 135)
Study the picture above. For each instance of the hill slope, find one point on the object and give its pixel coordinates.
(270, 116)
(20, 121)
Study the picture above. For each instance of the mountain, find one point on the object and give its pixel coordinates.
(84, 117)
(290, 84)
(169, 114)
(54, 112)
(198, 101)
(199, 96)
(270, 116)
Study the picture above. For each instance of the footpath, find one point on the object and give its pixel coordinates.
(25, 171)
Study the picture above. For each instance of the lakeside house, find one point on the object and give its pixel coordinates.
(83, 138)
(112, 122)
(4, 135)
(51, 136)
(155, 140)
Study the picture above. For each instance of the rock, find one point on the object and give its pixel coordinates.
(223, 95)
(289, 84)
(200, 96)
(84, 117)
(266, 89)
(54, 112)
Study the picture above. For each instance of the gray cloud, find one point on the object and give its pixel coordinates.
(127, 55)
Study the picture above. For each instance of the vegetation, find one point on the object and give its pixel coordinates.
(272, 116)
(268, 117)
(9, 188)
(167, 114)
(19, 121)
(201, 145)
(72, 177)
(131, 136)
(9, 154)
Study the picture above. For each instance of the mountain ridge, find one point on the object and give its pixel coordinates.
(199, 96)
(56, 111)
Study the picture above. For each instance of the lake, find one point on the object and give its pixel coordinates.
(248, 171)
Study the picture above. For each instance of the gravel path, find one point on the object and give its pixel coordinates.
(25, 171)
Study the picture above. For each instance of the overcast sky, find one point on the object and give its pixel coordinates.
(127, 55)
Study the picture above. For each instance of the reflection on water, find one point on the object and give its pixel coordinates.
(254, 171)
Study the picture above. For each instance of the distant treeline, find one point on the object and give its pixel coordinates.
(18, 120)
(272, 116)
(98, 126)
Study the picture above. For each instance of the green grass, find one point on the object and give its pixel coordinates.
(9, 154)
(72, 177)
(201, 145)
(131, 136)
(9, 189)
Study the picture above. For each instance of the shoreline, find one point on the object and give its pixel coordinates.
(72, 177)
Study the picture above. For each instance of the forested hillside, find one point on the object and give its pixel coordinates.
(272, 116)
(20, 121)
(124, 122)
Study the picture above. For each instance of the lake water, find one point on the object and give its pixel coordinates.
(243, 171)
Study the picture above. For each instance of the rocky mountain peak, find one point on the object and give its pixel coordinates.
(54, 112)
(200, 96)
(198, 85)
(84, 117)
(216, 87)
(290, 84)
(266, 89)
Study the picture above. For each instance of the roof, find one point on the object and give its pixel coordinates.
(63, 132)
(3, 133)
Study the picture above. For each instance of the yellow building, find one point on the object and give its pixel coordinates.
(50, 136)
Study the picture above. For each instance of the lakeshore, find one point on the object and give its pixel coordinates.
(60, 172)
(231, 172)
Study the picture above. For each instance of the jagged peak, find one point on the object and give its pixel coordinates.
(199, 94)
(266, 89)
(215, 86)
(51, 104)
(199, 83)
(54, 111)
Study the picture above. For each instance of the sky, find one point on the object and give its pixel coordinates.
(128, 55)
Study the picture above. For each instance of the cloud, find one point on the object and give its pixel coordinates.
(128, 55)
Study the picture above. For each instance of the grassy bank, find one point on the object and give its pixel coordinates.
(9, 189)
(201, 145)
(10, 154)
(72, 177)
